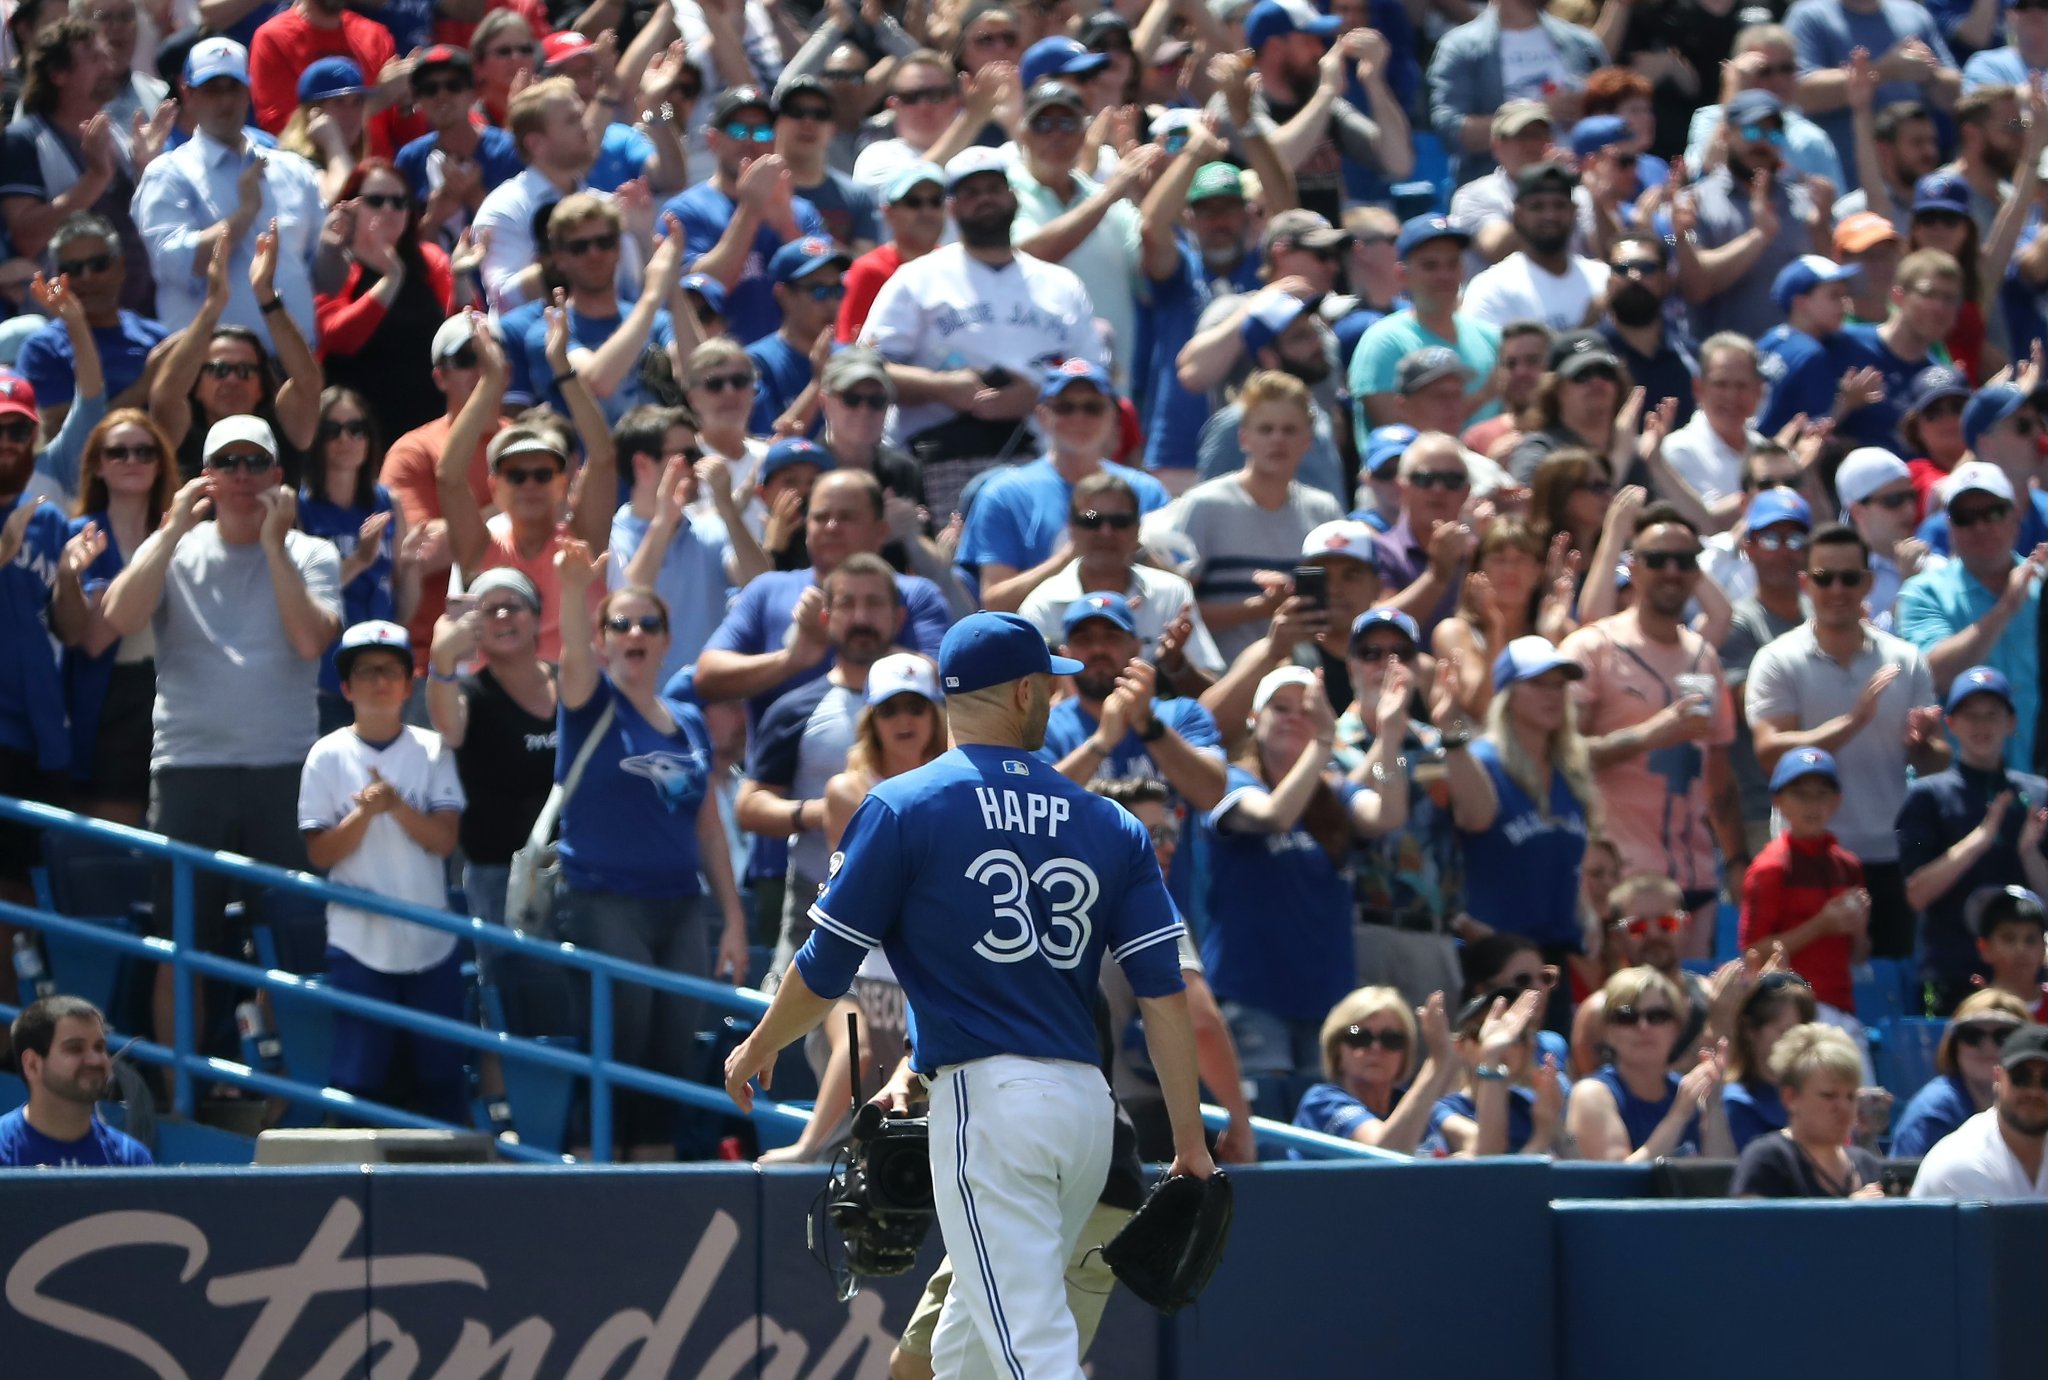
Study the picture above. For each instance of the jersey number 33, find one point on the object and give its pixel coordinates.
(1069, 889)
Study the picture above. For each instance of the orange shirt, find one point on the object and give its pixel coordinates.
(409, 474)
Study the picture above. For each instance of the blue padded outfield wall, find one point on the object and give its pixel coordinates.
(702, 1273)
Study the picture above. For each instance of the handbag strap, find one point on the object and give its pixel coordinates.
(558, 798)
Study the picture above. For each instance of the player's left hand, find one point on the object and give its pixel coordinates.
(743, 1065)
(1196, 1163)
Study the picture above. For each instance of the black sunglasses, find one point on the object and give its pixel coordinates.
(1847, 579)
(817, 114)
(1448, 480)
(649, 623)
(519, 479)
(1373, 655)
(1055, 124)
(1063, 408)
(601, 243)
(18, 432)
(1090, 519)
(1893, 502)
(79, 268)
(719, 383)
(1392, 1041)
(354, 426)
(900, 705)
(2031, 1076)
(1669, 560)
(233, 464)
(230, 369)
(922, 203)
(144, 454)
(1977, 1033)
(1629, 1015)
(464, 358)
(874, 402)
(1990, 512)
(446, 86)
(378, 201)
(925, 95)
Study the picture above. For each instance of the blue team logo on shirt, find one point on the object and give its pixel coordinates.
(677, 776)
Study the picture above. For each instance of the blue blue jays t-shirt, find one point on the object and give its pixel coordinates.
(1521, 1119)
(994, 885)
(784, 371)
(496, 156)
(1878, 424)
(369, 595)
(1804, 373)
(47, 361)
(1522, 874)
(22, 1146)
(1279, 913)
(631, 826)
(1329, 1109)
(1019, 516)
(32, 716)
(1754, 1109)
(705, 212)
(588, 333)
(621, 156)
(847, 208)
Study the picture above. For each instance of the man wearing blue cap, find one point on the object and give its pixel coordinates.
(1379, 470)
(1115, 726)
(810, 285)
(1775, 534)
(1013, 541)
(1432, 253)
(1749, 218)
(995, 886)
(2002, 427)
(1812, 365)
(1975, 825)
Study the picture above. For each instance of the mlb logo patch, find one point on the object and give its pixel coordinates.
(952, 682)
(1016, 769)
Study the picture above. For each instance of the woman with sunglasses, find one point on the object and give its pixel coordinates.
(382, 318)
(1588, 401)
(125, 487)
(1933, 431)
(1819, 1069)
(1509, 595)
(1372, 1090)
(342, 501)
(1775, 1004)
(1965, 1061)
(212, 371)
(1511, 1095)
(636, 831)
(1635, 1109)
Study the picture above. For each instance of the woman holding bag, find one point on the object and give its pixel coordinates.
(635, 832)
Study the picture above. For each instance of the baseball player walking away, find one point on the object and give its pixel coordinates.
(994, 885)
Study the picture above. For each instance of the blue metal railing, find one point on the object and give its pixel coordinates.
(598, 1066)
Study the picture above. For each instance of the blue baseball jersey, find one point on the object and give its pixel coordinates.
(994, 885)
(1804, 373)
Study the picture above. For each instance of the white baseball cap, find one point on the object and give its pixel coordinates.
(1276, 681)
(245, 429)
(1865, 470)
(903, 673)
(977, 159)
(454, 333)
(1972, 476)
(1340, 538)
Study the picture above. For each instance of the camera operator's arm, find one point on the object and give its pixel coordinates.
(794, 1012)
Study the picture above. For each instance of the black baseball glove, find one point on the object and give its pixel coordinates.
(1174, 1241)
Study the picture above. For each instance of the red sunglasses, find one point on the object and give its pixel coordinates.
(1639, 925)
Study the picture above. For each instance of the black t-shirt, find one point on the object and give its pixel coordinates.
(1773, 1166)
(507, 766)
(1705, 40)
(401, 399)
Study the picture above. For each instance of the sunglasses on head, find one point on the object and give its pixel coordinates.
(925, 95)
(1847, 579)
(1392, 1041)
(91, 264)
(354, 426)
(746, 133)
(446, 86)
(603, 244)
(1632, 1015)
(874, 402)
(1095, 407)
(241, 463)
(1785, 541)
(1090, 519)
(900, 705)
(649, 623)
(230, 369)
(922, 203)
(141, 453)
(1990, 512)
(1669, 560)
(719, 383)
(1640, 925)
(1448, 480)
(520, 478)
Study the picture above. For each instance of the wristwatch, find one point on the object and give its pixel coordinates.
(1459, 737)
(1153, 731)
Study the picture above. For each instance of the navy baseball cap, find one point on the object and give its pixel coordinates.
(708, 288)
(1806, 273)
(1420, 230)
(1774, 506)
(1058, 57)
(1271, 19)
(1526, 658)
(1980, 680)
(1385, 618)
(1804, 762)
(1597, 132)
(1270, 312)
(1111, 608)
(1386, 445)
(794, 450)
(1931, 385)
(2028, 1042)
(1942, 193)
(1754, 104)
(985, 649)
(804, 256)
(1069, 372)
(328, 78)
(1992, 906)
(373, 636)
(1987, 409)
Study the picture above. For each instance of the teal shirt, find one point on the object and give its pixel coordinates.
(1944, 602)
(1384, 343)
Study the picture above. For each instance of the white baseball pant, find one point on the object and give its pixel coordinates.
(1020, 1152)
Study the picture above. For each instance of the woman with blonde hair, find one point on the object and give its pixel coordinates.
(1372, 1090)
(1635, 1109)
(330, 127)
(901, 727)
(1818, 1069)
(1523, 801)
(1965, 1060)
(1511, 593)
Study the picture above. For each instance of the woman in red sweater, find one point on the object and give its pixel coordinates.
(376, 332)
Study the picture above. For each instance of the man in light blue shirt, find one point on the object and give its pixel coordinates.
(2023, 59)
(216, 193)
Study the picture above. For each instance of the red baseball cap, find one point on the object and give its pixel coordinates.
(17, 398)
(559, 48)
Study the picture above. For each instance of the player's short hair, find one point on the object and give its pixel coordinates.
(35, 1029)
(1355, 1009)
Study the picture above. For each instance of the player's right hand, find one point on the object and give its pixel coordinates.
(742, 1066)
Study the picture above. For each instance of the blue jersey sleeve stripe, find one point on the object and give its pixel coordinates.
(844, 931)
(1146, 941)
(1231, 800)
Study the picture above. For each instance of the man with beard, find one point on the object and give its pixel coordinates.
(969, 330)
(1543, 279)
(302, 34)
(1813, 366)
(1744, 222)
(803, 739)
(1991, 138)
(61, 1043)
(1304, 256)
(2000, 1154)
(1660, 359)
(1659, 745)
(1908, 147)
(1279, 333)
(1115, 727)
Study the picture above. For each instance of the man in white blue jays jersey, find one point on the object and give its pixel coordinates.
(994, 885)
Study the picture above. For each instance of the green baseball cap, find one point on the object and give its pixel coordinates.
(1216, 179)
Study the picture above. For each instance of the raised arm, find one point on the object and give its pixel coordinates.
(298, 399)
(578, 568)
(171, 393)
(468, 539)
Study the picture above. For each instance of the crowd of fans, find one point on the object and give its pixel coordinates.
(1517, 476)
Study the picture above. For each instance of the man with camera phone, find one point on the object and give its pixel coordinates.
(994, 885)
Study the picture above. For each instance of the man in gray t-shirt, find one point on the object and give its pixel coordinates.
(1727, 278)
(243, 608)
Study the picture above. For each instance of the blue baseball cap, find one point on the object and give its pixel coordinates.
(793, 450)
(1069, 372)
(1386, 445)
(1058, 57)
(216, 57)
(1753, 104)
(804, 256)
(1271, 19)
(1980, 680)
(708, 288)
(1113, 608)
(1270, 312)
(985, 649)
(1804, 762)
(1526, 658)
(1987, 409)
(1806, 273)
(1420, 230)
(328, 78)
(1931, 385)
(1774, 506)
(1597, 132)
(913, 177)
(1385, 618)
(1942, 193)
